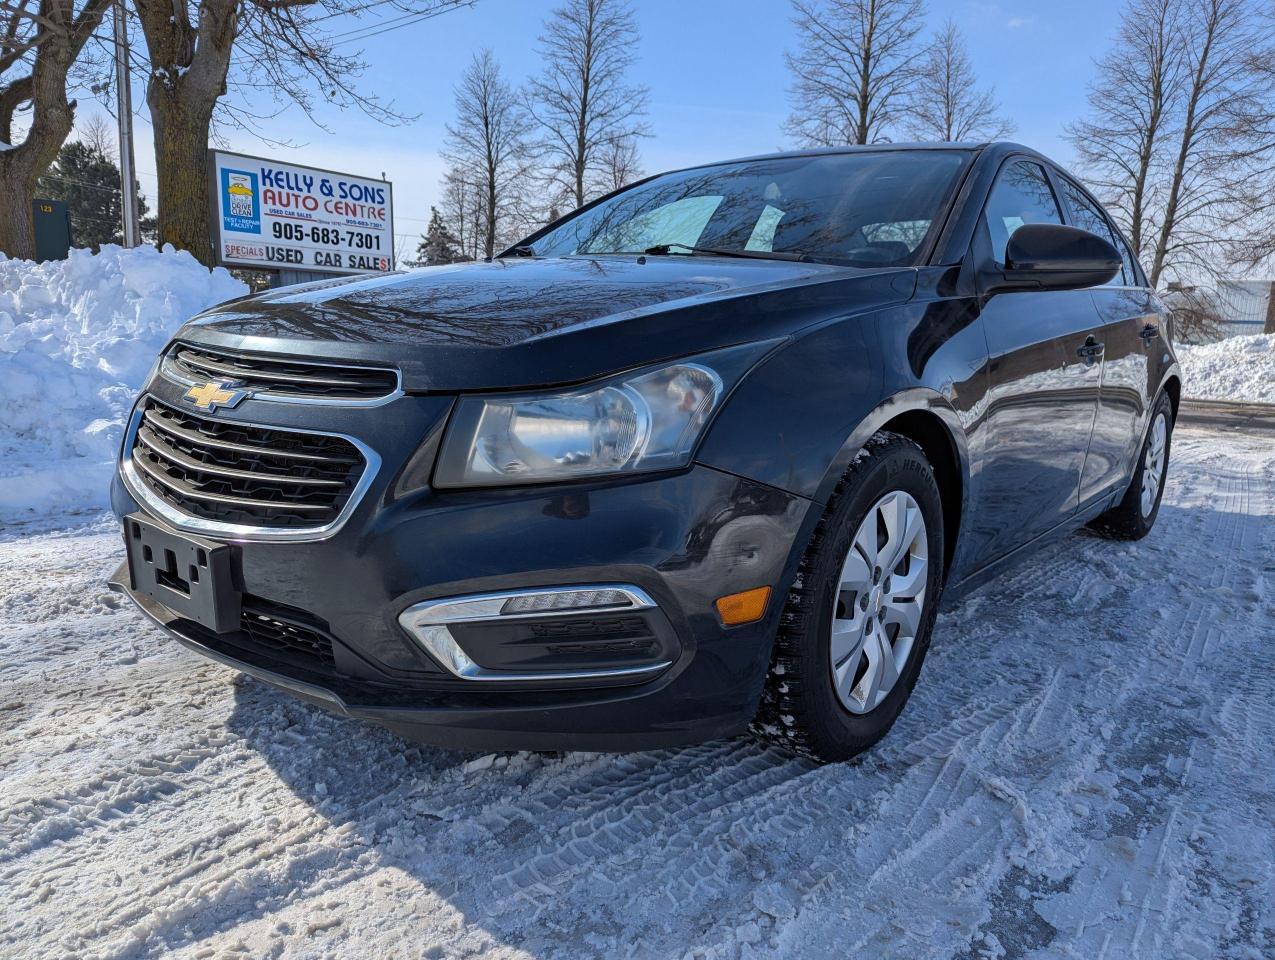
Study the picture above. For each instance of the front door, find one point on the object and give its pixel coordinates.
(1044, 380)
(1129, 331)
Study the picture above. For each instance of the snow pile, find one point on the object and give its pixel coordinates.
(1241, 369)
(77, 338)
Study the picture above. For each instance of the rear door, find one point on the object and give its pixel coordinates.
(1044, 378)
(1129, 331)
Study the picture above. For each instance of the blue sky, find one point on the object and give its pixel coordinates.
(715, 70)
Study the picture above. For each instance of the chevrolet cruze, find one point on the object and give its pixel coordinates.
(702, 456)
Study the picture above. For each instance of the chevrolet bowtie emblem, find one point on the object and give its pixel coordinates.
(215, 393)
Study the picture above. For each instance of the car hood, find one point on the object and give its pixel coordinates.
(523, 323)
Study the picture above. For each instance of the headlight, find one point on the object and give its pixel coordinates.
(642, 421)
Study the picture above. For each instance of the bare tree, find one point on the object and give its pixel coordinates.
(854, 69)
(217, 59)
(1224, 96)
(39, 43)
(99, 133)
(1182, 138)
(488, 145)
(1130, 103)
(1194, 313)
(619, 165)
(462, 208)
(582, 101)
(946, 103)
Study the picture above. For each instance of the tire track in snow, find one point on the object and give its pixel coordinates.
(1057, 783)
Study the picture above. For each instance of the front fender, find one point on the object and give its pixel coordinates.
(790, 417)
(802, 414)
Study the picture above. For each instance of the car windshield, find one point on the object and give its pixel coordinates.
(861, 209)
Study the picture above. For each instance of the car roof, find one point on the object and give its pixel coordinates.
(999, 147)
(861, 148)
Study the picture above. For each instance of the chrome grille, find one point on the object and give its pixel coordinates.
(285, 379)
(234, 473)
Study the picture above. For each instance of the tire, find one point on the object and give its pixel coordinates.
(801, 708)
(1134, 516)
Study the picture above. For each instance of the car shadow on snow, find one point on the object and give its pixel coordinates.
(589, 854)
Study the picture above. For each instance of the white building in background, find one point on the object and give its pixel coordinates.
(1243, 305)
(1229, 308)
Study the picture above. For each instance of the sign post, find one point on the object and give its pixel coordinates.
(124, 107)
(299, 220)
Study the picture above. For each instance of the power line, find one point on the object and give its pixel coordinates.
(385, 26)
(82, 183)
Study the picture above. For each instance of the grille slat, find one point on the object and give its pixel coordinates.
(167, 452)
(263, 624)
(183, 489)
(159, 420)
(296, 379)
(193, 361)
(234, 473)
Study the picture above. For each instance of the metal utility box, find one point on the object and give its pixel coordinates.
(52, 225)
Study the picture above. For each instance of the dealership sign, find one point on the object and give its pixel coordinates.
(279, 216)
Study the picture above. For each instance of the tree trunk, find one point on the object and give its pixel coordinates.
(1270, 310)
(52, 117)
(188, 67)
(490, 244)
(181, 160)
(20, 169)
(17, 233)
(1186, 148)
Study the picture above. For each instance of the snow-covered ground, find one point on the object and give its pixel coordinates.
(1084, 771)
(1239, 369)
(77, 337)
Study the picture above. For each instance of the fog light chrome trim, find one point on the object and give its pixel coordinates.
(427, 623)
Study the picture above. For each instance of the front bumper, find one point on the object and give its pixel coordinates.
(683, 539)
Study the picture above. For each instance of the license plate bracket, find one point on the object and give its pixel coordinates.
(191, 576)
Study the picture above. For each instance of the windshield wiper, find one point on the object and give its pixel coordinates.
(665, 249)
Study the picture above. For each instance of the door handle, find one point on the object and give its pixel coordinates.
(1090, 350)
(1149, 333)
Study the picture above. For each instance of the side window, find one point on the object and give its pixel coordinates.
(1132, 276)
(1087, 216)
(1022, 195)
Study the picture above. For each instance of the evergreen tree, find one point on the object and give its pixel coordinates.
(437, 243)
(89, 182)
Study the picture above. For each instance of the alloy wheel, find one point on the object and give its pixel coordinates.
(879, 602)
(1153, 464)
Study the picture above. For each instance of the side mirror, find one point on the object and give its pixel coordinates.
(1051, 256)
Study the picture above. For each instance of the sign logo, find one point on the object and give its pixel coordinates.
(216, 393)
(240, 201)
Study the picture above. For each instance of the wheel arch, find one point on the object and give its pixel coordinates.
(926, 418)
(1173, 387)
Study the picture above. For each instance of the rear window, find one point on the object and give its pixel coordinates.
(1086, 215)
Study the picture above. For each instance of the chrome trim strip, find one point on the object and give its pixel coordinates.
(243, 531)
(166, 369)
(159, 477)
(190, 463)
(181, 433)
(427, 622)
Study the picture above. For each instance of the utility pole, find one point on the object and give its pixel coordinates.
(124, 107)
